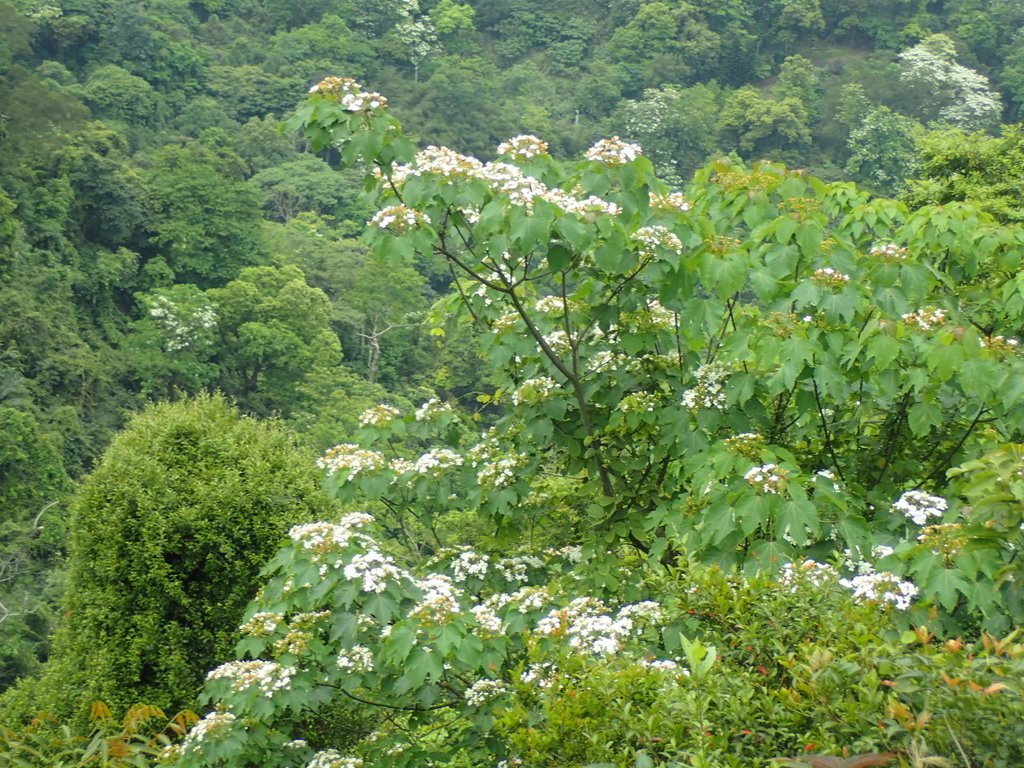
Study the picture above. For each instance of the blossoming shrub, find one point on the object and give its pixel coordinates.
(471, 664)
(168, 535)
(749, 373)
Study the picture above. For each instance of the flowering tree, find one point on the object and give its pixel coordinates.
(950, 92)
(762, 370)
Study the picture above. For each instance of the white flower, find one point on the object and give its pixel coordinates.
(440, 600)
(483, 691)
(431, 409)
(673, 202)
(665, 665)
(649, 239)
(535, 390)
(374, 570)
(352, 458)
(356, 660)
(267, 676)
(768, 478)
(918, 506)
(211, 726)
(262, 624)
(708, 392)
(470, 564)
(614, 151)
(488, 620)
(523, 148)
(398, 219)
(882, 587)
(829, 277)
(331, 758)
(810, 572)
(437, 461)
(378, 416)
(925, 318)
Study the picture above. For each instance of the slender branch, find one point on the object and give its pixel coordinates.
(890, 447)
(828, 435)
(963, 439)
(397, 707)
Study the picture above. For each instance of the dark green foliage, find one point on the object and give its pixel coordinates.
(167, 537)
(205, 216)
(957, 167)
(33, 488)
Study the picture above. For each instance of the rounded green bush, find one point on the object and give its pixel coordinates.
(167, 538)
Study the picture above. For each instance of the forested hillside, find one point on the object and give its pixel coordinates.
(701, 343)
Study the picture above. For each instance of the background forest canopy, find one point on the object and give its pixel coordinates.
(160, 237)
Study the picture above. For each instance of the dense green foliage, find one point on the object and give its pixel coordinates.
(167, 535)
(769, 368)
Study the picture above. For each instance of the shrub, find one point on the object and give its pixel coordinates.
(167, 538)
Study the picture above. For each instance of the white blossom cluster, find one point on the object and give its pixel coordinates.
(210, 726)
(470, 565)
(559, 342)
(356, 660)
(352, 458)
(500, 472)
(889, 252)
(483, 691)
(267, 676)
(367, 101)
(882, 587)
(535, 390)
(653, 315)
(526, 599)
(829, 277)
(262, 624)
(918, 506)
(378, 416)
(296, 744)
(673, 202)
(708, 392)
(374, 570)
(182, 325)
(606, 360)
(613, 151)
(336, 86)
(589, 628)
(807, 572)
(649, 239)
(488, 620)
(300, 630)
(502, 177)
(431, 409)
(523, 148)
(516, 569)
(767, 478)
(925, 318)
(331, 758)
(542, 675)
(855, 562)
(398, 219)
(322, 538)
(638, 402)
(1000, 344)
(440, 601)
(437, 461)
